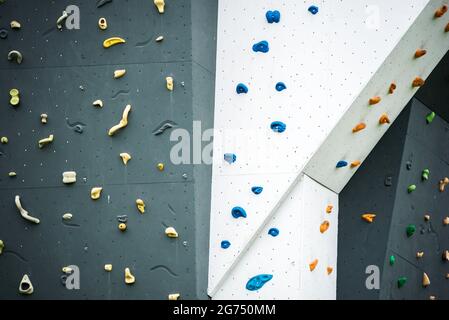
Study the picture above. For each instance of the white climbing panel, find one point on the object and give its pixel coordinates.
(298, 219)
(325, 60)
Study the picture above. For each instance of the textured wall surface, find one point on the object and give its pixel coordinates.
(409, 147)
(62, 73)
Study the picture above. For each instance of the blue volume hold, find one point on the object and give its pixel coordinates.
(241, 88)
(257, 282)
(278, 126)
(230, 157)
(273, 232)
(341, 164)
(313, 9)
(238, 212)
(261, 46)
(257, 190)
(273, 16)
(280, 86)
(225, 244)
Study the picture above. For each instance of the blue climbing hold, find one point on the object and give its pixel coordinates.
(278, 126)
(341, 164)
(274, 232)
(238, 212)
(261, 46)
(313, 9)
(257, 282)
(230, 157)
(273, 16)
(257, 190)
(280, 86)
(225, 244)
(241, 88)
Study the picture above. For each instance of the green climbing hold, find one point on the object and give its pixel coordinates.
(411, 188)
(402, 281)
(430, 117)
(411, 228)
(425, 174)
(392, 260)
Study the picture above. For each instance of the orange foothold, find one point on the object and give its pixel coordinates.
(313, 265)
(324, 226)
(418, 82)
(443, 183)
(368, 217)
(446, 221)
(419, 53)
(374, 100)
(392, 88)
(446, 29)
(359, 127)
(384, 119)
(329, 209)
(441, 11)
(355, 164)
(329, 270)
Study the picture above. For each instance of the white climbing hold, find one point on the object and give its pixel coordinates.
(174, 296)
(44, 118)
(15, 25)
(43, 142)
(159, 39)
(95, 193)
(61, 19)
(98, 103)
(69, 177)
(12, 174)
(67, 270)
(125, 157)
(123, 122)
(25, 286)
(169, 81)
(67, 216)
(4, 140)
(160, 5)
(140, 205)
(129, 278)
(23, 212)
(171, 232)
(108, 267)
(119, 73)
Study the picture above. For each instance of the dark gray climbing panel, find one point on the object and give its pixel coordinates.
(62, 73)
(380, 186)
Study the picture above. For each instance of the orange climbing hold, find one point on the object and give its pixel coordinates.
(417, 82)
(329, 270)
(392, 88)
(441, 11)
(313, 265)
(419, 53)
(374, 100)
(355, 164)
(368, 217)
(384, 119)
(443, 183)
(324, 226)
(446, 221)
(446, 29)
(329, 209)
(359, 127)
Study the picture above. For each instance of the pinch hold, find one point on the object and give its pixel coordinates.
(273, 16)
(280, 86)
(359, 127)
(384, 119)
(95, 193)
(261, 46)
(119, 73)
(278, 126)
(355, 164)
(257, 282)
(241, 88)
(170, 84)
(369, 217)
(238, 212)
(341, 164)
(129, 278)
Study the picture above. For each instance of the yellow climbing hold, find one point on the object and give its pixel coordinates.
(112, 42)
(160, 5)
(374, 100)
(359, 127)
(419, 254)
(329, 209)
(129, 278)
(160, 166)
(95, 193)
(174, 296)
(44, 118)
(119, 73)
(123, 122)
(384, 119)
(122, 227)
(313, 264)
(369, 217)
(425, 280)
(108, 267)
(125, 157)
(4, 140)
(43, 142)
(2, 245)
(355, 164)
(140, 205)
(169, 83)
(102, 24)
(324, 226)
(171, 232)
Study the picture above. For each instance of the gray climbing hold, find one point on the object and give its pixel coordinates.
(101, 3)
(168, 124)
(122, 218)
(388, 181)
(3, 33)
(61, 19)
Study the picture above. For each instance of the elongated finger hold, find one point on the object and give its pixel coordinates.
(123, 122)
(25, 213)
(43, 142)
(112, 42)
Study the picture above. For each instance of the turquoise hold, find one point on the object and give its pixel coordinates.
(257, 282)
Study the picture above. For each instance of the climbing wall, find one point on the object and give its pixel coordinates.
(291, 83)
(62, 73)
(408, 237)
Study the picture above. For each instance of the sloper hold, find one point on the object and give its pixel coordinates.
(125, 157)
(257, 282)
(241, 88)
(25, 286)
(374, 100)
(160, 5)
(324, 226)
(419, 53)
(411, 188)
(329, 270)
(273, 16)
(440, 11)
(119, 73)
(238, 212)
(418, 82)
(384, 119)
(261, 46)
(171, 232)
(355, 164)
(140, 205)
(278, 126)
(95, 193)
